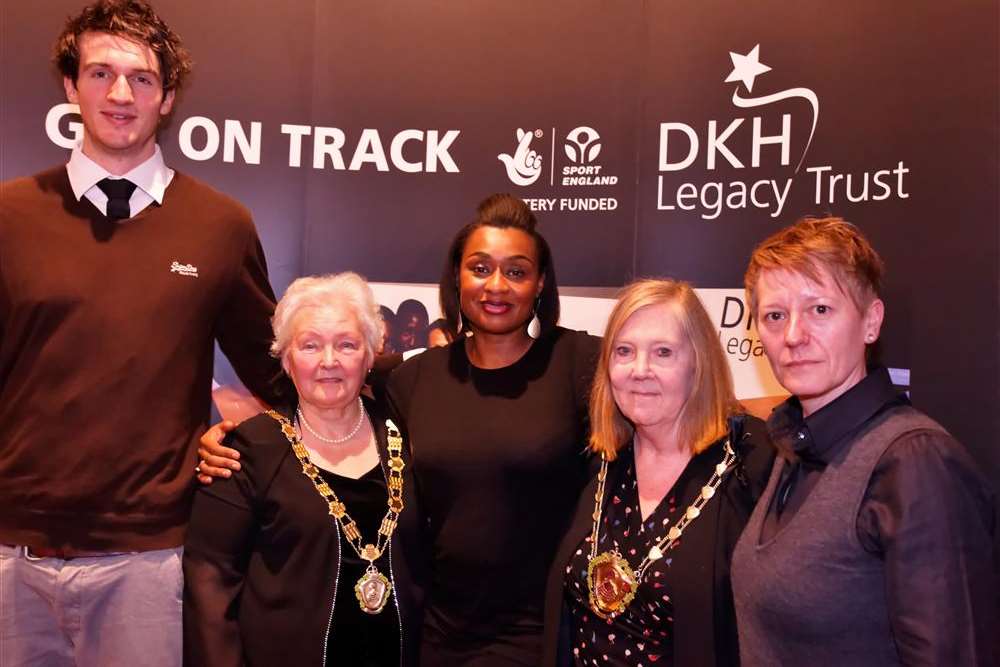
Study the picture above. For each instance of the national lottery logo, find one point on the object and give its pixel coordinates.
(725, 143)
(581, 146)
(573, 167)
(525, 165)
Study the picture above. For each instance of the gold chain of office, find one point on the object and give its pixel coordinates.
(611, 581)
(373, 588)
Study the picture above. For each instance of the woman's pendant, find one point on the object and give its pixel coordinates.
(372, 590)
(612, 584)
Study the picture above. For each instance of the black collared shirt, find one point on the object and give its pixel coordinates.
(926, 512)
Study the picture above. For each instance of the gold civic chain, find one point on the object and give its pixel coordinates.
(611, 582)
(692, 512)
(369, 552)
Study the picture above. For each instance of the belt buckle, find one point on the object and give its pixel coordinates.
(30, 556)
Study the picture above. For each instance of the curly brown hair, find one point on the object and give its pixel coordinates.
(131, 19)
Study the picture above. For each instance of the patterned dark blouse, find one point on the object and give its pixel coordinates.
(643, 634)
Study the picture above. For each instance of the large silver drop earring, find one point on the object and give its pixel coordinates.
(458, 324)
(535, 325)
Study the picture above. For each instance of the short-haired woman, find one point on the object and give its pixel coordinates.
(304, 552)
(643, 574)
(872, 543)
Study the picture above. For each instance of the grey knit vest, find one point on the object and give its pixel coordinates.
(812, 595)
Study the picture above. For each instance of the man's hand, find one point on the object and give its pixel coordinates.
(216, 460)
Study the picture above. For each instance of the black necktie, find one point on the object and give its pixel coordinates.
(119, 191)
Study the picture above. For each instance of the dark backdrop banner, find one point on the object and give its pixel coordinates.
(652, 138)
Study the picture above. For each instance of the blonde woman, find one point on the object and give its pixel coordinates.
(643, 574)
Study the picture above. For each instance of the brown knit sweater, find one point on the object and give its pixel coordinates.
(106, 335)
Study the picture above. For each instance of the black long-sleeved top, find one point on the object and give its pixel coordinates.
(498, 458)
(268, 578)
(683, 613)
(926, 512)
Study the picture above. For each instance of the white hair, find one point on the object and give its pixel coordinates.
(347, 289)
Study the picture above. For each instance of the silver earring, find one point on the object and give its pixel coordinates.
(535, 325)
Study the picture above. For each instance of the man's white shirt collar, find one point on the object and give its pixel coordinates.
(151, 179)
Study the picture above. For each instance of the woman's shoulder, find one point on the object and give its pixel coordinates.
(423, 374)
(261, 436)
(580, 340)
(380, 412)
(753, 432)
(382, 368)
(579, 348)
(430, 357)
(754, 450)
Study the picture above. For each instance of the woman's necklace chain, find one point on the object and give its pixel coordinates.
(335, 441)
(373, 588)
(610, 579)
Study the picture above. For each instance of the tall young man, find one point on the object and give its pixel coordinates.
(116, 275)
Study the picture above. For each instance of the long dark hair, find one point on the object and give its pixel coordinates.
(502, 211)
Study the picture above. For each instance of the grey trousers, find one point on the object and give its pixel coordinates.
(122, 609)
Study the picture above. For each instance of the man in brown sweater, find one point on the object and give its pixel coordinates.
(116, 276)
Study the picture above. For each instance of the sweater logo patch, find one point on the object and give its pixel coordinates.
(184, 269)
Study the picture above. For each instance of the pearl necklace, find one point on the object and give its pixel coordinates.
(335, 441)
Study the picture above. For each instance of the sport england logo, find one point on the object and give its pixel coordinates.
(583, 145)
(723, 148)
(525, 166)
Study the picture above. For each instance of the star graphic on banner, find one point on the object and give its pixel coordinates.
(747, 68)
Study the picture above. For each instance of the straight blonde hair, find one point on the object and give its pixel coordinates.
(706, 412)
